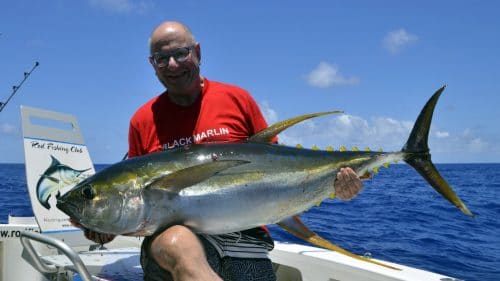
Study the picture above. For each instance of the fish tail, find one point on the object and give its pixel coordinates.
(416, 154)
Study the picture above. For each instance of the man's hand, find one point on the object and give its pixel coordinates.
(97, 237)
(347, 184)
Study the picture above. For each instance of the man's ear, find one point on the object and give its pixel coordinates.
(151, 61)
(197, 49)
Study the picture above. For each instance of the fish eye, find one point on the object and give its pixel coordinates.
(88, 192)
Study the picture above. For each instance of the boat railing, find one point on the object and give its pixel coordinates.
(41, 266)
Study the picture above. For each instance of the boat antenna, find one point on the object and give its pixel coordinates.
(15, 88)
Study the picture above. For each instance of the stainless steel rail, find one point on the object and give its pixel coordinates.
(60, 245)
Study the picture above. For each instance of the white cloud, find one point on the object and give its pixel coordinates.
(441, 134)
(381, 132)
(378, 132)
(349, 130)
(476, 145)
(468, 145)
(395, 40)
(8, 129)
(327, 75)
(123, 6)
(269, 114)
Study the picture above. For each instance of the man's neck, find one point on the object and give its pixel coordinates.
(184, 99)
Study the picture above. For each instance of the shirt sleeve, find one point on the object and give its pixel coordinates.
(134, 142)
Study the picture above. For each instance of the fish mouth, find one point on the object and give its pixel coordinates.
(67, 207)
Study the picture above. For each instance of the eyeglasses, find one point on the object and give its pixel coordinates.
(161, 59)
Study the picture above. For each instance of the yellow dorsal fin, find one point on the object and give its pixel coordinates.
(380, 150)
(375, 170)
(367, 149)
(332, 195)
(355, 148)
(329, 148)
(299, 146)
(270, 132)
(342, 148)
(314, 147)
(386, 165)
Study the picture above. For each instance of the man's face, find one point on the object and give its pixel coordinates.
(177, 66)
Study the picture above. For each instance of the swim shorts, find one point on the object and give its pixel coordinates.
(228, 268)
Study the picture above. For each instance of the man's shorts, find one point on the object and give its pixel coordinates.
(228, 268)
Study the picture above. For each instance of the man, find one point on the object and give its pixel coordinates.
(194, 109)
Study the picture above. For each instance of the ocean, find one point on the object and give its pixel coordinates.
(397, 217)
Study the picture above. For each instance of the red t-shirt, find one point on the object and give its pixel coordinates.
(223, 113)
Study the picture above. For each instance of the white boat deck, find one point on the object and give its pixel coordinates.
(120, 261)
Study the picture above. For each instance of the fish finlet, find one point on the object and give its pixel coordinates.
(299, 146)
(342, 148)
(375, 170)
(329, 148)
(355, 148)
(314, 147)
(367, 149)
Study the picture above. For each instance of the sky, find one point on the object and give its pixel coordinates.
(378, 61)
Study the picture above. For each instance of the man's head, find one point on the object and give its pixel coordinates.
(175, 56)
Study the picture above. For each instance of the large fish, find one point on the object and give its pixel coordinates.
(225, 187)
(55, 178)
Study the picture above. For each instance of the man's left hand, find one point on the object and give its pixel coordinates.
(347, 184)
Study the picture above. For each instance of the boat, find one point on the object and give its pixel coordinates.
(47, 247)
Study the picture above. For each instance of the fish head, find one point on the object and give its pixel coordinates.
(95, 204)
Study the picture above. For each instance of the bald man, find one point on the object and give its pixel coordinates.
(190, 107)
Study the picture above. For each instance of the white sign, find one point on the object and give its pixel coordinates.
(53, 168)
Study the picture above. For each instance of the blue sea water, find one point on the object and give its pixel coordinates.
(397, 218)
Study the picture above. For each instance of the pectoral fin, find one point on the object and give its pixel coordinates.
(266, 135)
(295, 226)
(53, 179)
(180, 179)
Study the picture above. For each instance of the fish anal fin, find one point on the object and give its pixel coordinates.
(270, 132)
(295, 226)
(180, 179)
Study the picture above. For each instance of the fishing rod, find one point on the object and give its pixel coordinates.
(15, 88)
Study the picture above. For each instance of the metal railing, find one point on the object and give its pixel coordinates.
(58, 244)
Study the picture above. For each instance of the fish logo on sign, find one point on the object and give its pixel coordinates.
(57, 177)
